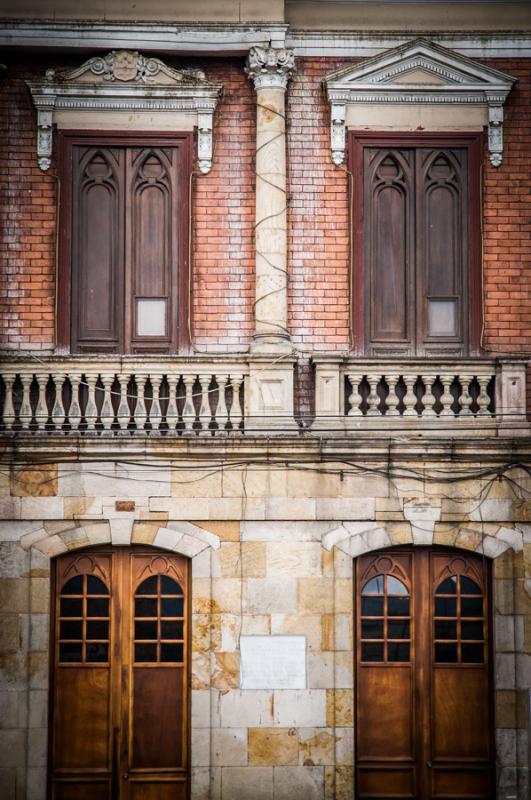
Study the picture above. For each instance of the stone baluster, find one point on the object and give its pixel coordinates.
(41, 409)
(25, 406)
(8, 412)
(222, 414)
(91, 409)
(483, 400)
(107, 413)
(270, 69)
(58, 411)
(466, 399)
(410, 398)
(189, 409)
(428, 399)
(74, 412)
(205, 414)
(393, 400)
(171, 411)
(122, 413)
(446, 397)
(373, 399)
(155, 414)
(236, 411)
(354, 398)
(141, 415)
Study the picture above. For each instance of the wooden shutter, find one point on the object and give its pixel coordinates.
(416, 250)
(97, 249)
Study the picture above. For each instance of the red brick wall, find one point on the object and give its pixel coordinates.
(223, 216)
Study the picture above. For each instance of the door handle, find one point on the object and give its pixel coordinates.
(429, 764)
(125, 776)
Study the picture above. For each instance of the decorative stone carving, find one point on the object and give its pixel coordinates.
(418, 73)
(124, 80)
(269, 67)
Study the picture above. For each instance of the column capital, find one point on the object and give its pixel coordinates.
(270, 67)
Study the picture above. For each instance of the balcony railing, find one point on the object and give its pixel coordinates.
(231, 396)
(102, 394)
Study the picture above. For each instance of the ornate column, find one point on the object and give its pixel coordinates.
(269, 391)
(270, 70)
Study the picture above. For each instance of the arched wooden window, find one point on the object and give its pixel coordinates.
(385, 620)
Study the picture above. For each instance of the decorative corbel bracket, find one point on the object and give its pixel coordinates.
(124, 81)
(418, 73)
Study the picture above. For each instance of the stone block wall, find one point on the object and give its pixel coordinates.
(272, 554)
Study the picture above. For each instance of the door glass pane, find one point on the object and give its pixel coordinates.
(70, 652)
(70, 607)
(442, 318)
(73, 586)
(98, 629)
(449, 586)
(97, 651)
(394, 586)
(172, 607)
(445, 607)
(145, 652)
(149, 586)
(372, 651)
(97, 607)
(446, 653)
(444, 629)
(396, 651)
(469, 586)
(372, 606)
(145, 607)
(95, 585)
(171, 652)
(472, 630)
(398, 606)
(70, 629)
(398, 629)
(145, 630)
(169, 586)
(471, 607)
(372, 629)
(171, 630)
(374, 586)
(471, 653)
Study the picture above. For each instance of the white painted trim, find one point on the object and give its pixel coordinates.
(124, 81)
(162, 38)
(352, 44)
(456, 81)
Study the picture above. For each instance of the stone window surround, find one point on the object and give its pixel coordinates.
(125, 90)
(350, 538)
(377, 94)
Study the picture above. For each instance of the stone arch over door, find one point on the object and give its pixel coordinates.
(507, 548)
(56, 538)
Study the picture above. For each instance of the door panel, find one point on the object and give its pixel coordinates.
(423, 716)
(119, 682)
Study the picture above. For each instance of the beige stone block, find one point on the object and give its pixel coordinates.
(98, 532)
(14, 595)
(337, 632)
(242, 783)
(200, 756)
(285, 531)
(225, 671)
(75, 537)
(248, 482)
(14, 561)
(504, 595)
(308, 625)
(316, 747)
(327, 562)
(227, 531)
(315, 595)
(253, 559)
(39, 595)
(16, 531)
(196, 483)
(343, 595)
(344, 670)
(339, 708)
(202, 597)
(305, 483)
(399, 532)
(300, 708)
(10, 633)
(51, 546)
(226, 595)
(38, 709)
(445, 534)
(273, 746)
(230, 631)
(201, 700)
(41, 508)
(13, 748)
(200, 670)
(226, 561)
(39, 670)
(345, 746)
(456, 509)
(144, 532)
(468, 538)
(296, 559)
(365, 485)
(269, 595)
(229, 747)
(82, 507)
(206, 632)
(10, 508)
(345, 508)
(290, 508)
(9, 702)
(299, 783)
(200, 778)
(246, 709)
(256, 624)
(320, 670)
(388, 508)
(343, 783)
(34, 481)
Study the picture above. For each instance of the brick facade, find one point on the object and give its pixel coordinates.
(223, 220)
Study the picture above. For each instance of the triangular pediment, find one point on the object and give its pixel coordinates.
(421, 64)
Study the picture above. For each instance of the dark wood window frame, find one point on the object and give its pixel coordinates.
(473, 142)
(67, 140)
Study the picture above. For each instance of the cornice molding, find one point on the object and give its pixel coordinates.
(124, 80)
(448, 79)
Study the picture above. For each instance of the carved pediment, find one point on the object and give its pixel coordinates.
(418, 72)
(124, 81)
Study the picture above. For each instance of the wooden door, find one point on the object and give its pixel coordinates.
(119, 699)
(423, 676)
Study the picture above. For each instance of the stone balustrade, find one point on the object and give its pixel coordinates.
(421, 395)
(109, 394)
